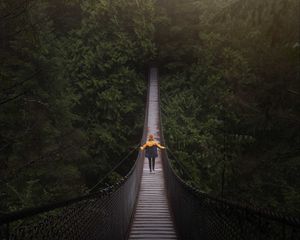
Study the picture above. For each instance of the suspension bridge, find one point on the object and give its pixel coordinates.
(149, 206)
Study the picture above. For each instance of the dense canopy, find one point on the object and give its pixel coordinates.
(73, 87)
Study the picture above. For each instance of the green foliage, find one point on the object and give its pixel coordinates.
(230, 94)
(72, 94)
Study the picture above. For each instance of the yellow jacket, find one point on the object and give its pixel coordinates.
(152, 143)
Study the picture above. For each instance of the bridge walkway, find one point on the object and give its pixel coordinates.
(153, 219)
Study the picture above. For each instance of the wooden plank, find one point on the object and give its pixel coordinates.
(152, 219)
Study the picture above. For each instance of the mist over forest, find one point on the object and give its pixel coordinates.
(73, 90)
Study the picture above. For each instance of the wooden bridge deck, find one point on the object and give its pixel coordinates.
(152, 219)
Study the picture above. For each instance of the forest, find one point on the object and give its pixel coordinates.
(73, 89)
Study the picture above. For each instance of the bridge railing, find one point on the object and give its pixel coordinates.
(198, 215)
(103, 214)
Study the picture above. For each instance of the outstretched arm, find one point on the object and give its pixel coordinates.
(160, 146)
(143, 147)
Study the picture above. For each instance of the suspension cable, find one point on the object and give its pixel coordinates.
(187, 172)
(113, 169)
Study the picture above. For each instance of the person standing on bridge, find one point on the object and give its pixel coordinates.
(151, 151)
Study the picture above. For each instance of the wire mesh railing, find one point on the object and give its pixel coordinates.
(107, 213)
(100, 214)
(198, 215)
(103, 215)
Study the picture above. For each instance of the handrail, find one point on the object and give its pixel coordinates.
(263, 212)
(201, 216)
(103, 214)
(107, 213)
(28, 212)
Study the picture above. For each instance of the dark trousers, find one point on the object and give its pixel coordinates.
(151, 163)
